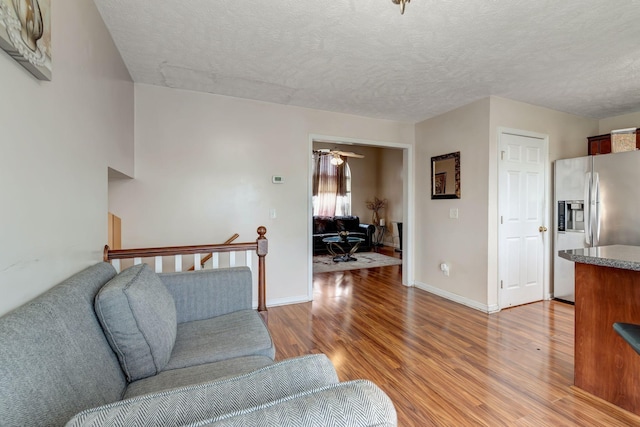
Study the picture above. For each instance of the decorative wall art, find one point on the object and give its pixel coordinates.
(445, 176)
(25, 34)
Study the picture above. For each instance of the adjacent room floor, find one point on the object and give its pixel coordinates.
(380, 257)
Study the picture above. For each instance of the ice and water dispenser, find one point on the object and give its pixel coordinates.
(571, 215)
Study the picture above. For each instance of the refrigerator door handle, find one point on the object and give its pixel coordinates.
(596, 201)
(587, 208)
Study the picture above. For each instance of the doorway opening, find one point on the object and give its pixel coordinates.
(378, 170)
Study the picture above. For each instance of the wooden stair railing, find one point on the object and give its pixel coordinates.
(210, 255)
(260, 246)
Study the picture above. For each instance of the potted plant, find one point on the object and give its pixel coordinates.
(376, 205)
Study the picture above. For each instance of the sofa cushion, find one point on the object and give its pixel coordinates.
(192, 404)
(324, 224)
(192, 375)
(138, 316)
(237, 334)
(209, 293)
(347, 223)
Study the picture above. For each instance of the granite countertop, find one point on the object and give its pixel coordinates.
(616, 256)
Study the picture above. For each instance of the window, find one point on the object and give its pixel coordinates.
(331, 186)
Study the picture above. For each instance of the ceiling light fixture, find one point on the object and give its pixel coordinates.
(336, 159)
(401, 3)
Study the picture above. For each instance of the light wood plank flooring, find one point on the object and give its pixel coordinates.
(444, 364)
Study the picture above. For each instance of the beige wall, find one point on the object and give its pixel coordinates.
(567, 138)
(567, 133)
(462, 242)
(203, 172)
(58, 138)
(470, 243)
(619, 122)
(391, 184)
(365, 181)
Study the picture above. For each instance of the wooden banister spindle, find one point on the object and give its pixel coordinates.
(261, 251)
(209, 256)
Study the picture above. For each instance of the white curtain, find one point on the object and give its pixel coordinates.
(331, 187)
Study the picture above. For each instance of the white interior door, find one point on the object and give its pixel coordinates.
(522, 195)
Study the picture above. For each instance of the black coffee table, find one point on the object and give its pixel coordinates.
(336, 248)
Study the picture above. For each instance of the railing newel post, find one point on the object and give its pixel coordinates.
(261, 250)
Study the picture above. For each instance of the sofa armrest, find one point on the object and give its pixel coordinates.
(193, 404)
(205, 294)
(365, 228)
(357, 403)
(369, 230)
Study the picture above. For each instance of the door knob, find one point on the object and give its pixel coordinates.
(542, 229)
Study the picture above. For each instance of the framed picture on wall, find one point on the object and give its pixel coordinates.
(445, 176)
(25, 34)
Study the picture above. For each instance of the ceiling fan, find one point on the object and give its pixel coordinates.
(338, 154)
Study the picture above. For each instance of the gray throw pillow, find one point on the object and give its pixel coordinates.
(138, 316)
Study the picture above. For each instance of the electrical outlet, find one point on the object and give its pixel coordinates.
(444, 267)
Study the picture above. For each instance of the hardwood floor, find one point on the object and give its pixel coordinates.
(444, 364)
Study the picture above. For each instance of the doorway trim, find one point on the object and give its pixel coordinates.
(546, 287)
(408, 202)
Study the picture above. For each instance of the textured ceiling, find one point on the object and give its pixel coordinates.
(364, 58)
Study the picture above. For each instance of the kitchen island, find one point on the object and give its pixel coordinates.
(607, 290)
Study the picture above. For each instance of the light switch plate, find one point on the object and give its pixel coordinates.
(453, 213)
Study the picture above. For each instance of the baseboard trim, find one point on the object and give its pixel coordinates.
(285, 301)
(494, 308)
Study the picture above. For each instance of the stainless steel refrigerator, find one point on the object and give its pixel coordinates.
(597, 203)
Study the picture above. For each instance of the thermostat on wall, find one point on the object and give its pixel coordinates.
(277, 179)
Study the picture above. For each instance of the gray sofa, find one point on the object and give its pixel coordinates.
(178, 349)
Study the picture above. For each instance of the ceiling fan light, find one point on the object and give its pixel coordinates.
(401, 3)
(336, 160)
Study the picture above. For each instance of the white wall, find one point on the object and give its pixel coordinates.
(203, 172)
(58, 138)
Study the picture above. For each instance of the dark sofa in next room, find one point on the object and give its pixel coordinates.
(326, 226)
